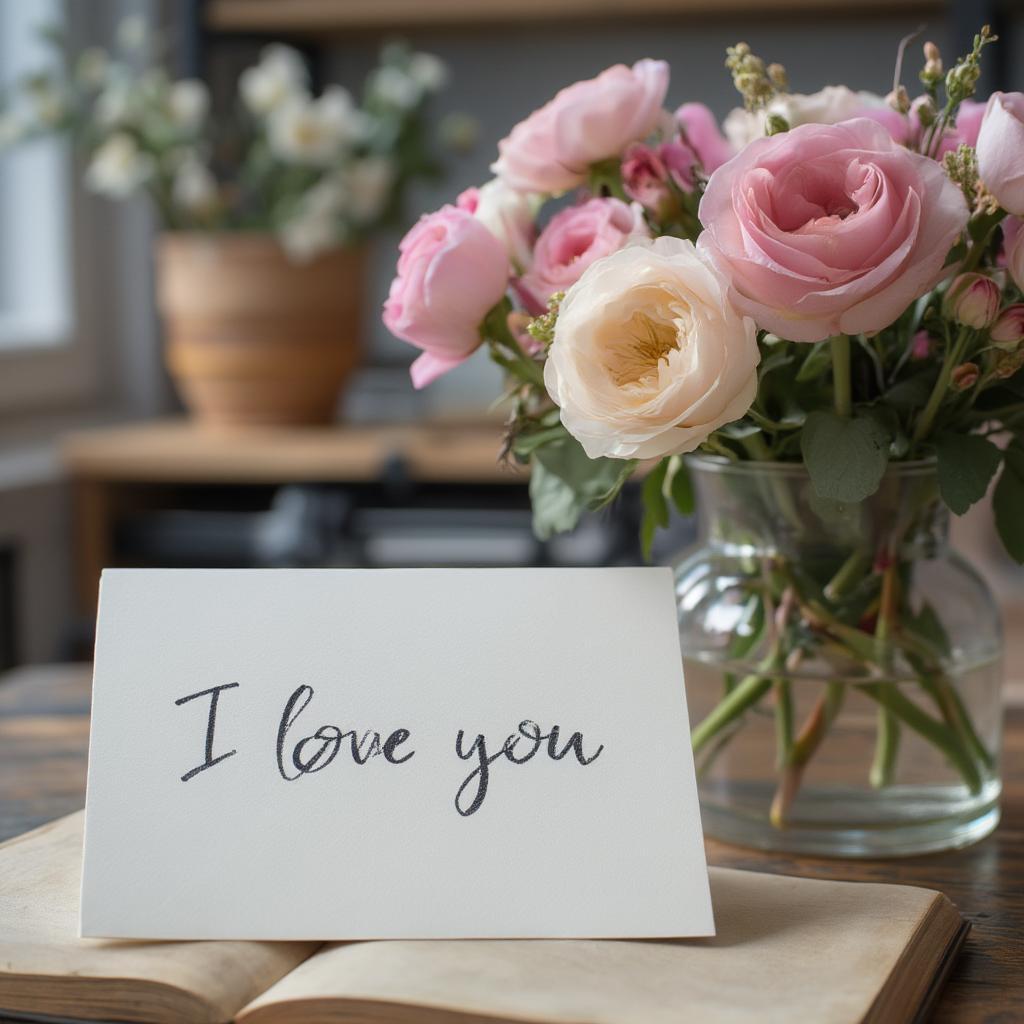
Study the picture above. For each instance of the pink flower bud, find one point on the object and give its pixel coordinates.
(645, 179)
(973, 300)
(1008, 330)
(964, 377)
(921, 346)
(680, 161)
(1013, 249)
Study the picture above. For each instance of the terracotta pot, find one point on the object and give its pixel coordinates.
(252, 338)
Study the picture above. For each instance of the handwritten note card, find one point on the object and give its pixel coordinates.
(342, 754)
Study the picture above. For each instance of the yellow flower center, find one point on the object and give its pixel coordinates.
(645, 342)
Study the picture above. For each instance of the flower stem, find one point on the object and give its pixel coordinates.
(931, 409)
(888, 736)
(840, 346)
(746, 693)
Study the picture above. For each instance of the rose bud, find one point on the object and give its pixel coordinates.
(645, 179)
(1008, 363)
(1008, 330)
(921, 346)
(680, 161)
(972, 300)
(964, 377)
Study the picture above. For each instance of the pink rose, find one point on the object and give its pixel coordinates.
(830, 229)
(703, 134)
(1001, 150)
(451, 271)
(590, 121)
(574, 239)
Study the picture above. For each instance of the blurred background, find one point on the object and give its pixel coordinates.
(194, 374)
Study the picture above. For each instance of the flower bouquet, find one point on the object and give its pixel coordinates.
(814, 320)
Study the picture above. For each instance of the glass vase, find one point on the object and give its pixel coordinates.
(843, 666)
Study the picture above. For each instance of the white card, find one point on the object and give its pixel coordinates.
(265, 825)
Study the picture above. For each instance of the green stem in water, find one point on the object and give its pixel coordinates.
(922, 723)
(745, 694)
(887, 738)
(783, 721)
(843, 396)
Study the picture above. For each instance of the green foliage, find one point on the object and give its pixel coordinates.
(564, 482)
(845, 456)
(966, 465)
(655, 507)
(1008, 501)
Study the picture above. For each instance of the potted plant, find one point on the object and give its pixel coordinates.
(260, 266)
(812, 324)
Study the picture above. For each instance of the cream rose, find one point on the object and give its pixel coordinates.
(649, 357)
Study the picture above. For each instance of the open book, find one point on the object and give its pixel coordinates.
(787, 949)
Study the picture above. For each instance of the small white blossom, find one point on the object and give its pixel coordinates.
(278, 78)
(312, 132)
(306, 236)
(397, 88)
(113, 106)
(430, 72)
(369, 182)
(194, 188)
(188, 102)
(118, 167)
(48, 102)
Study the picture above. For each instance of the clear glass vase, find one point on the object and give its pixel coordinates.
(843, 666)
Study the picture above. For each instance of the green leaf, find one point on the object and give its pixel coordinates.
(679, 486)
(816, 363)
(655, 506)
(570, 482)
(966, 465)
(1008, 502)
(845, 456)
(529, 441)
(556, 507)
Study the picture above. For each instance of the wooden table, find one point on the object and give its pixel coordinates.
(44, 725)
(111, 468)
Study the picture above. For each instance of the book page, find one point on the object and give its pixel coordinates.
(788, 949)
(40, 874)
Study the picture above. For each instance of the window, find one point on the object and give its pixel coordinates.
(41, 358)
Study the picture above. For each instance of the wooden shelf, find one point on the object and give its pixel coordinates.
(178, 451)
(327, 16)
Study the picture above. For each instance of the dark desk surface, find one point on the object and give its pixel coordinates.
(44, 731)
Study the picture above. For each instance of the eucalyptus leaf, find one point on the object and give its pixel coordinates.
(556, 507)
(966, 465)
(817, 362)
(679, 486)
(845, 456)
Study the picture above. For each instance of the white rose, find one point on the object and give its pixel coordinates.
(118, 167)
(830, 105)
(188, 102)
(509, 216)
(649, 357)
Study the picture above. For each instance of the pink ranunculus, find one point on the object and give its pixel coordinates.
(451, 271)
(703, 134)
(1001, 150)
(681, 162)
(575, 238)
(586, 122)
(645, 178)
(830, 229)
